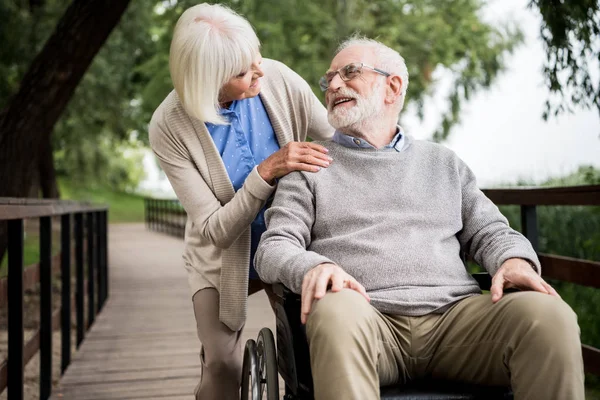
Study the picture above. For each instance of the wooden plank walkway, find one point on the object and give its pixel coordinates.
(143, 345)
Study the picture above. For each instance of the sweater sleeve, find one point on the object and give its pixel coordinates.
(486, 235)
(282, 254)
(218, 224)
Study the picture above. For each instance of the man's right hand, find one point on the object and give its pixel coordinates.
(317, 281)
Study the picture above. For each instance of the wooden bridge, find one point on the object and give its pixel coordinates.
(140, 342)
(144, 345)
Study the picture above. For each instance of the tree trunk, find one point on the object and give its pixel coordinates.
(46, 89)
(47, 172)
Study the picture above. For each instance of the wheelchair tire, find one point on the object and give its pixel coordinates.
(267, 365)
(250, 374)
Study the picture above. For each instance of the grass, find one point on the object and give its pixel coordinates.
(31, 248)
(123, 207)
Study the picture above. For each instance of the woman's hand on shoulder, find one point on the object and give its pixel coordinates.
(294, 156)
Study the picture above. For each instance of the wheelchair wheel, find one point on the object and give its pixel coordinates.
(267, 365)
(250, 373)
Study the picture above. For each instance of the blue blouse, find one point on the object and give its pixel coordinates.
(245, 143)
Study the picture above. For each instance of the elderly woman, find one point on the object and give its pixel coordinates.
(234, 124)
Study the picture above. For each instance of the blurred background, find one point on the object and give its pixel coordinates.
(512, 86)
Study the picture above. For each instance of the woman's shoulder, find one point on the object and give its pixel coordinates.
(280, 75)
(168, 108)
(168, 115)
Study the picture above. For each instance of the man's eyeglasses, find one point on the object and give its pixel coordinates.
(347, 73)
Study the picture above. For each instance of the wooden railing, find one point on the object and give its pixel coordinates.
(90, 230)
(165, 215)
(169, 217)
(567, 269)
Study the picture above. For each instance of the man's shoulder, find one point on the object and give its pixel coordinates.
(434, 151)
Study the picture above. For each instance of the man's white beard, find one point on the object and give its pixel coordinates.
(355, 120)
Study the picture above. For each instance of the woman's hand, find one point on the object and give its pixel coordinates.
(294, 156)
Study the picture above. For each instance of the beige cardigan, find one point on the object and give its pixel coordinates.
(217, 234)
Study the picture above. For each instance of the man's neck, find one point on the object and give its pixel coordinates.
(376, 132)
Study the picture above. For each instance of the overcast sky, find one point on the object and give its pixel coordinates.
(503, 137)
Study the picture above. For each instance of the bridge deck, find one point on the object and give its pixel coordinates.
(143, 345)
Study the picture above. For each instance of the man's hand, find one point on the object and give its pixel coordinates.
(518, 273)
(317, 280)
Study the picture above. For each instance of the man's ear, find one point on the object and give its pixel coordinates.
(394, 89)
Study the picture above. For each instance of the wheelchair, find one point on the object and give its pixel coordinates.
(263, 360)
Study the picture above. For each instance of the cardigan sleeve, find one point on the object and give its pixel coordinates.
(218, 224)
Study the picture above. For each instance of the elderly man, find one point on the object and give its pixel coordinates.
(372, 243)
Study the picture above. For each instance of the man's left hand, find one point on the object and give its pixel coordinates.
(518, 273)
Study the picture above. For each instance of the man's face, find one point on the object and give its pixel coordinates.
(354, 101)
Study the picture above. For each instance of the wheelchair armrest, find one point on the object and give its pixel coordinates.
(484, 280)
(283, 292)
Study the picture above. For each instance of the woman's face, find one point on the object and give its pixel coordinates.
(244, 85)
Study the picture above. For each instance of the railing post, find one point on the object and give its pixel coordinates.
(91, 264)
(79, 271)
(98, 257)
(65, 291)
(153, 214)
(171, 219)
(159, 211)
(15, 373)
(529, 225)
(45, 307)
(105, 252)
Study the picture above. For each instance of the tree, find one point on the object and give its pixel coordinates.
(570, 32)
(428, 33)
(27, 121)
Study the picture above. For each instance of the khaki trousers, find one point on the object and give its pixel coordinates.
(221, 351)
(527, 340)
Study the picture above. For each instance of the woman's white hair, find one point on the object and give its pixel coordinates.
(388, 60)
(211, 44)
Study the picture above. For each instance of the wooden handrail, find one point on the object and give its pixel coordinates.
(567, 269)
(554, 196)
(16, 208)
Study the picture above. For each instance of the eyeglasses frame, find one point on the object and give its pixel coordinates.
(323, 80)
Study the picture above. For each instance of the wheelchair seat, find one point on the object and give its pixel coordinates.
(293, 363)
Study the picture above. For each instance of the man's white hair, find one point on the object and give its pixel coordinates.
(211, 44)
(388, 60)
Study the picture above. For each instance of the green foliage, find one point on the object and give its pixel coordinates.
(101, 162)
(96, 138)
(572, 231)
(23, 32)
(428, 33)
(92, 138)
(570, 32)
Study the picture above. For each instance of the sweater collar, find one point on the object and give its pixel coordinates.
(397, 142)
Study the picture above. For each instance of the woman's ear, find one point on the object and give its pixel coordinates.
(394, 89)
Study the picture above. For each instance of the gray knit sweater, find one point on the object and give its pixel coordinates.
(396, 221)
